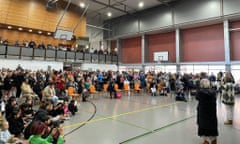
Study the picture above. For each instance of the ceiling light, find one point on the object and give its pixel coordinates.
(109, 14)
(49, 33)
(9, 27)
(30, 30)
(20, 29)
(82, 4)
(140, 4)
(39, 32)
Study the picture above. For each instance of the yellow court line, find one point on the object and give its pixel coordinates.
(119, 115)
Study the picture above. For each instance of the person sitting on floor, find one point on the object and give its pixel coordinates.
(16, 124)
(72, 106)
(11, 104)
(180, 90)
(38, 128)
(50, 93)
(27, 90)
(5, 135)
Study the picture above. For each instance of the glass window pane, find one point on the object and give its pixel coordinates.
(215, 69)
(187, 68)
(236, 72)
(171, 68)
(122, 68)
(220, 67)
(235, 67)
(236, 75)
(160, 68)
(200, 68)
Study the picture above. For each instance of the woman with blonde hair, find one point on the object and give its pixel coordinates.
(207, 113)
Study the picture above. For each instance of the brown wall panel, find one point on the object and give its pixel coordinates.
(131, 50)
(203, 44)
(235, 41)
(162, 42)
(33, 14)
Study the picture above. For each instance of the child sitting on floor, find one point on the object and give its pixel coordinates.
(66, 109)
(72, 106)
(4, 133)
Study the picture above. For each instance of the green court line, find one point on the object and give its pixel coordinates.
(133, 125)
(154, 131)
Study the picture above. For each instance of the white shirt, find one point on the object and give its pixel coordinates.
(5, 135)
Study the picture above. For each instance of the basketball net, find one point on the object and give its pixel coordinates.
(159, 61)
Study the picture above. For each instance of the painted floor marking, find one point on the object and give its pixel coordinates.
(119, 115)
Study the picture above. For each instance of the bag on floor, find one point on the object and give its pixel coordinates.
(118, 95)
(180, 97)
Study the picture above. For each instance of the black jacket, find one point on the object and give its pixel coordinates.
(16, 126)
(207, 112)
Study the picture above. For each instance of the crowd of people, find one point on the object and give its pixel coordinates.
(61, 47)
(21, 89)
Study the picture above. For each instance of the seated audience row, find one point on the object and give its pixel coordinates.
(32, 44)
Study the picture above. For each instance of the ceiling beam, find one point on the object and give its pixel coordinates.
(111, 6)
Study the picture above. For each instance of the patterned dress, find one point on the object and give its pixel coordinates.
(228, 93)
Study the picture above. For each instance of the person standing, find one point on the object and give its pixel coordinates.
(228, 97)
(111, 88)
(207, 113)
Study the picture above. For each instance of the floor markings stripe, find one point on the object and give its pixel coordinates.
(119, 115)
(155, 131)
(123, 122)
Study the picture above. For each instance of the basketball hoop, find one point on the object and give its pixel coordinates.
(160, 59)
(159, 62)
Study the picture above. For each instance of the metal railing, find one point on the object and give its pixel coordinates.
(14, 52)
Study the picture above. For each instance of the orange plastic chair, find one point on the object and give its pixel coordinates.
(148, 87)
(126, 87)
(116, 87)
(161, 88)
(105, 89)
(92, 90)
(137, 87)
(71, 92)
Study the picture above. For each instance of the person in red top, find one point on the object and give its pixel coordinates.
(60, 84)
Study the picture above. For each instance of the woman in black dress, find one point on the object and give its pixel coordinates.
(207, 113)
